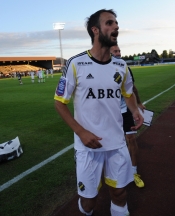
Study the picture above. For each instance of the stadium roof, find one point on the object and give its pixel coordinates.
(28, 63)
(30, 58)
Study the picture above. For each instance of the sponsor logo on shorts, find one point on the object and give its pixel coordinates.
(81, 186)
(61, 87)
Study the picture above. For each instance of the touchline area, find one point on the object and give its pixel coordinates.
(36, 167)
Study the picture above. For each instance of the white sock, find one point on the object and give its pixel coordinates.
(82, 210)
(134, 169)
(118, 210)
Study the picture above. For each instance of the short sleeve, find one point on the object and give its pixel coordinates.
(127, 85)
(66, 84)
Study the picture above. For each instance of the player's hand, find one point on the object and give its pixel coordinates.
(89, 139)
(138, 119)
(141, 106)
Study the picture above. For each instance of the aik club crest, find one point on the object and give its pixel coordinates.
(117, 77)
(81, 186)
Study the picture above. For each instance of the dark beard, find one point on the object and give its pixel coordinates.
(105, 41)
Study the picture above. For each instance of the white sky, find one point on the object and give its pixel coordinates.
(26, 26)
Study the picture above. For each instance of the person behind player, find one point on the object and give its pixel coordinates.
(115, 50)
(128, 122)
(37, 74)
(43, 76)
(47, 72)
(19, 78)
(51, 72)
(14, 75)
(96, 80)
(40, 76)
(32, 74)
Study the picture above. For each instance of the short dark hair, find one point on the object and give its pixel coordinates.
(93, 20)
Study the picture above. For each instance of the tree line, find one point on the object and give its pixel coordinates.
(163, 55)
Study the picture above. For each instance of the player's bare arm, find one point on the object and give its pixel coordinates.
(139, 103)
(89, 139)
(132, 105)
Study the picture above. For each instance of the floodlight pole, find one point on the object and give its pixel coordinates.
(59, 27)
(61, 51)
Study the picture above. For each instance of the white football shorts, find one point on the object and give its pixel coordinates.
(117, 168)
(40, 75)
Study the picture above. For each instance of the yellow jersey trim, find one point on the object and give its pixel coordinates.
(123, 91)
(92, 56)
(100, 185)
(111, 182)
(62, 100)
(75, 72)
(89, 54)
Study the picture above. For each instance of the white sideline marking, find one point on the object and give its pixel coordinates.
(34, 168)
(158, 95)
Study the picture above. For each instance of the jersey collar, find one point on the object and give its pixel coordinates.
(97, 61)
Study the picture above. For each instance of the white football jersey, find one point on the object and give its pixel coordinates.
(96, 88)
(32, 75)
(123, 105)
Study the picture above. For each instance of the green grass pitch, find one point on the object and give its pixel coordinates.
(28, 111)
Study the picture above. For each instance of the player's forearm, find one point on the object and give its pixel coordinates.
(131, 103)
(136, 94)
(139, 103)
(66, 115)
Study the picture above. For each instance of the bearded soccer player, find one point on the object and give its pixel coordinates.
(128, 122)
(96, 81)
